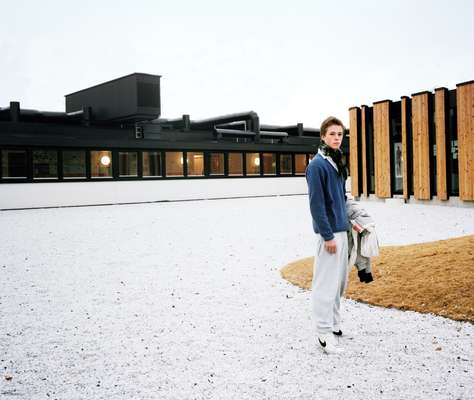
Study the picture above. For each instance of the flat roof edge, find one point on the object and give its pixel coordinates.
(464, 83)
(112, 80)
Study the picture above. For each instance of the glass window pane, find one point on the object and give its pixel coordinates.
(300, 164)
(195, 162)
(174, 163)
(452, 161)
(397, 150)
(370, 150)
(151, 163)
(45, 164)
(285, 164)
(128, 161)
(236, 164)
(253, 163)
(396, 161)
(74, 164)
(14, 164)
(269, 163)
(453, 158)
(101, 164)
(217, 164)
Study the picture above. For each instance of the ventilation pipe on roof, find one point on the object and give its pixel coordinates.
(255, 126)
(15, 111)
(250, 117)
(86, 115)
(300, 129)
(186, 122)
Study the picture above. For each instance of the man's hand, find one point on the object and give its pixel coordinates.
(330, 246)
(357, 227)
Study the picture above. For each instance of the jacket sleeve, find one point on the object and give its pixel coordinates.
(351, 209)
(317, 200)
(369, 243)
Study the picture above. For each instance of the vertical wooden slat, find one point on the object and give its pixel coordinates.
(440, 121)
(363, 132)
(354, 154)
(465, 122)
(421, 146)
(382, 149)
(404, 105)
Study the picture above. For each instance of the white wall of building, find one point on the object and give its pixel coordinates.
(34, 195)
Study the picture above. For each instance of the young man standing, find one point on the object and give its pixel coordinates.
(326, 175)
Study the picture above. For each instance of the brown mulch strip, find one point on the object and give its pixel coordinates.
(435, 277)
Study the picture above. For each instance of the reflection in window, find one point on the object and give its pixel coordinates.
(454, 187)
(174, 163)
(396, 160)
(285, 164)
(128, 161)
(101, 164)
(253, 163)
(235, 164)
(45, 164)
(74, 164)
(452, 133)
(13, 164)
(269, 163)
(195, 163)
(300, 164)
(151, 163)
(217, 164)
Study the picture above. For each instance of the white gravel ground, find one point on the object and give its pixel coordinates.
(185, 301)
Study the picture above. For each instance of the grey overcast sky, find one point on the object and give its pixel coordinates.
(290, 61)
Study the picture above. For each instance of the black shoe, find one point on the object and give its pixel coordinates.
(368, 277)
(365, 277)
(338, 333)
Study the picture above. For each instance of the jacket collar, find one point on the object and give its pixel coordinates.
(328, 159)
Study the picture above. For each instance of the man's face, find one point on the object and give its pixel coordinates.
(333, 137)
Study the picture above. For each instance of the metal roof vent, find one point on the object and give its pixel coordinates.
(131, 98)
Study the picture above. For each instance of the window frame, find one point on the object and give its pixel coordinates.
(44, 179)
(119, 153)
(113, 166)
(15, 178)
(61, 165)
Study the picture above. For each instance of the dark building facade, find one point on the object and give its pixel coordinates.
(114, 131)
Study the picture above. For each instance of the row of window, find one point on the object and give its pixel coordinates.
(81, 164)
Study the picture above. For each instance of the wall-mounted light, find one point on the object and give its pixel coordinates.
(256, 161)
(105, 161)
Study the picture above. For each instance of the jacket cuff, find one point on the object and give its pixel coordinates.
(328, 237)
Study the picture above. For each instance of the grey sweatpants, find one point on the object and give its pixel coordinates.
(330, 274)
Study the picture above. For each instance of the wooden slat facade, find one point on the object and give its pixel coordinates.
(354, 153)
(440, 122)
(383, 188)
(426, 119)
(421, 146)
(364, 150)
(465, 123)
(405, 122)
